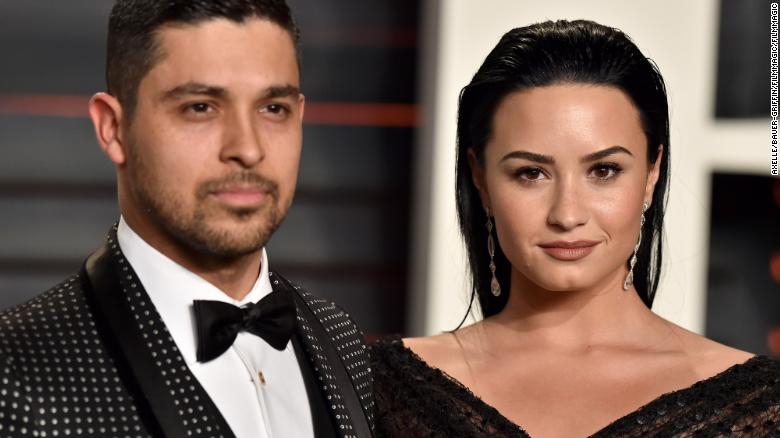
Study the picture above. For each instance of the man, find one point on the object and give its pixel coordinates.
(176, 327)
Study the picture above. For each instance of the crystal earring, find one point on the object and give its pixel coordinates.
(495, 288)
(630, 277)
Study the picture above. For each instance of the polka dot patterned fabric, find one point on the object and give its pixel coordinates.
(57, 378)
(348, 340)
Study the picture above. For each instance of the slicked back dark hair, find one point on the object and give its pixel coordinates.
(132, 48)
(548, 53)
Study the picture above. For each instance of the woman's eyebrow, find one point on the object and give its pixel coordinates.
(530, 156)
(605, 153)
(546, 159)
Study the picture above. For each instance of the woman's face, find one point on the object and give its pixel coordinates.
(565, 175)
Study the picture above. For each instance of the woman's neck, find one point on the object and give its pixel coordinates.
(602, 315)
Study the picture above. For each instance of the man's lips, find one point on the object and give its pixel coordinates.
(241, 196)
(568, 250)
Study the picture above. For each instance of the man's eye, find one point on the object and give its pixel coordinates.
(200, 107)
(197, 109)
(275, 108)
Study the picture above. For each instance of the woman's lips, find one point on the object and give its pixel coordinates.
(569, 250)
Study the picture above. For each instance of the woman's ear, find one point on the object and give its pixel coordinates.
(106, 114)
(478, 178)
(652, 176)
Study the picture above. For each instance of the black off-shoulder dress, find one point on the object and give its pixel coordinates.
(415, 400)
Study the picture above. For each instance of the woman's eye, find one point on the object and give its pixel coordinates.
(605, 171)
(530, 173)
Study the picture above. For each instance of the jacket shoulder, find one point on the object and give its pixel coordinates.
(52, 324)
(34, 337)
(17, 413)
(345, 335)
(48, 313)
(344, 332)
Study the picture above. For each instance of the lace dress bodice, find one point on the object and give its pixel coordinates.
(416, 400)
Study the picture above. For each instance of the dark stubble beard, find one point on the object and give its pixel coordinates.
(197, 229)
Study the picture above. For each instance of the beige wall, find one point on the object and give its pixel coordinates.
(680, 36)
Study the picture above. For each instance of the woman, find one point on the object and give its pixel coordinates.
(562, 176)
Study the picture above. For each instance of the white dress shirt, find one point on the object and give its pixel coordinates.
(258, 390)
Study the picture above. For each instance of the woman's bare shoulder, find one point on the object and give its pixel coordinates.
(709, 356)
(442, 352)
(434, 350)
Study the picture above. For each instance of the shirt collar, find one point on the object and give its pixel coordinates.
(172, 288)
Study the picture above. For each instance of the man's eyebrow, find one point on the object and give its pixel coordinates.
(200, 89)
(193, 88)
(281, 91)
(605, 153)
(530, 156)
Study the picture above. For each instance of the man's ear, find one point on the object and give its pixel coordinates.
(301, 105)
(652, 176)
(106, 114)
(478, 178)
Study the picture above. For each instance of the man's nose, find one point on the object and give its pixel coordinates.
(243, 141)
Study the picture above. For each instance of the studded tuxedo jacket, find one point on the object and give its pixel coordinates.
(92, 358)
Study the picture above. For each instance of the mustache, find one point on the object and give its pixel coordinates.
(248, 180)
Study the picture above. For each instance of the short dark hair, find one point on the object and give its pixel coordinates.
(132, 47)
(556, 52)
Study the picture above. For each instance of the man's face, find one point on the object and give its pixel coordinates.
(215, 141)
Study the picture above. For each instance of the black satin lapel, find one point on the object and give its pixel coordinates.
(322, 418)
(133, 358)
(324, 343)
(189, 412)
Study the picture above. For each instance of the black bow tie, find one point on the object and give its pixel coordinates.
(272, 318)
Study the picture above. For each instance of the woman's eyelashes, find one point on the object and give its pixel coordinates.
(605, 171)
(530, 174)
(601, 172)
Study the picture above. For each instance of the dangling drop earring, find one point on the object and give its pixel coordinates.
(630, 277)
(495, 288)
